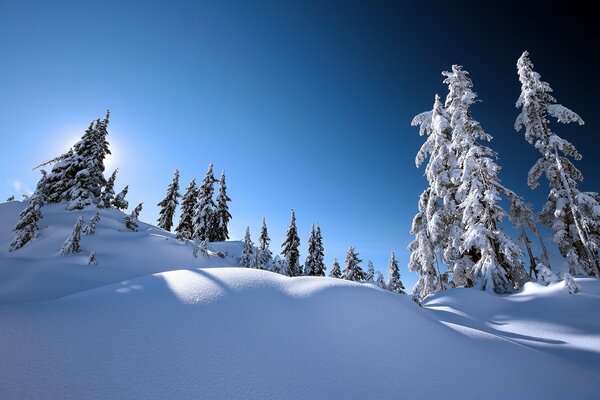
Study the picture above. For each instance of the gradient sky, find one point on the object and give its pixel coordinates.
(307, 105)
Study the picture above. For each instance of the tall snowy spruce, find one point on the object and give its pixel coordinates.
(370, 274)
(247, 251)
(336, 270)
(72, 245)
(314, 265)
(264, 254)
(205, 208)
(26, 229)
(222, 215)
(108, 192)
(574, 216)
(77, 176)
(291, 252)
(131, 220)
(353, 270)
(394, 284)
(169, 204)
(494, 255)
(185, 228)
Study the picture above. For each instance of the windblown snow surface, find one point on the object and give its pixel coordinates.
(150, 321)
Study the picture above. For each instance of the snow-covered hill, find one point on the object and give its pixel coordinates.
(150, 321)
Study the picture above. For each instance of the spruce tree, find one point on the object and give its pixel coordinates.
(573, 215)
(265, 255)
(26, 229)
(318, 260)
(188, 204)
(336, 270)
(10, 198)
(291, 252)
(308, 264)
(394, 283)
(131, 220)
(247, 251)
(205, 208)
(370, 275)
(90, 227)
(169, 204)
(108, 192)
(380, 280)
(72, 245)
(352, 270)
(92, 259)
(119, 201)
(222, 214)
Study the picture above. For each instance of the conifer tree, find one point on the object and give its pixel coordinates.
(370, 275)
(570, 285)
(380, 280)
(279, 266)
(92, 259)
(10, 198)
(26, 229)
(222, 214)
(352, 270)
(205, 208)
(573, 215)
(188, 204)
(318, 267)
(336, 270)
(394, 284)
(169, 204)
(90, 227)
(108, 192)
(545, 276)
(265, 255)
(308, 264)
(131, 220)
(71, 245)
(291, 252)
(119, 201)
(247, 251)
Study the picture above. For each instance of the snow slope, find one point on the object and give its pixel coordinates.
(175, 329)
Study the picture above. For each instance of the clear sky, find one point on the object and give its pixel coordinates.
(306, 105)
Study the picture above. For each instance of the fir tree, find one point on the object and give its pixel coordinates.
(265, 255)
(279, 266)
(308, 264)
(222, 215)
(370, 275)
(247, 251)
(169, 204)
(26, 229)
(119, 201)
(291, 252)
(90, 227)
(545, 276)
(570, 285)
(108, 193)
(380, 280)
(92, 259)
(336, 270)
(394, 284)
(202, 248)
(188, 203)
(10, 198)
(318, 268)
(71, 245)
(131, 220)
(573, 215)
(352, 270)
(205, 208)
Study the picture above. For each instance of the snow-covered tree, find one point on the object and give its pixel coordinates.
(265, 255)
(26, 229)
(169, 204)
(108, 192)
(90, 227)
(92, 259)
(336, 270)
(278, 265)
(72, 245)
(370, 274)
(188, 204)
(222, 214)
(201, 247)
(205, 208)
(495, 256)
(394, 284)
(570, 285)
(314, 265)
(380, 280)
(573, 215)
(10, 198)
(545, 276)
(290, 246)
(131, 220)
(119, 201)
(247, 251)
(352, 270)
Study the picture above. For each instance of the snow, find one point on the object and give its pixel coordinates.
(151, 321)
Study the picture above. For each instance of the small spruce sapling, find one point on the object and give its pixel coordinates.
(72, 245)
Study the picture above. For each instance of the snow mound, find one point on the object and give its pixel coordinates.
(236, 333)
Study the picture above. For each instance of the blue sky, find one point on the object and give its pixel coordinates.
(306, 106)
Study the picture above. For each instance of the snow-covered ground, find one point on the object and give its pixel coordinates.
(151, 321)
